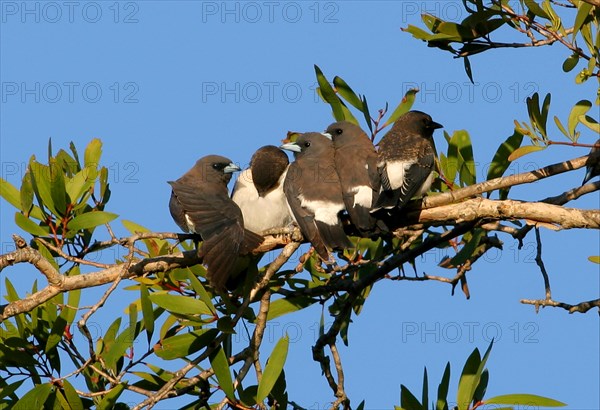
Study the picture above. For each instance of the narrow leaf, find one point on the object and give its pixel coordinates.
(405, 105)
(220, 365)
(500, 161)
(91, 156)
(185, 344)
(90, 220)
(284, 306)
(347, 93)
(29, 226)
(273, 368)
(110, 399)
(528, 149)
(581, 108)
(147, 311)
(180, 304)
(525, 399)
(34, 398)
(329, 96)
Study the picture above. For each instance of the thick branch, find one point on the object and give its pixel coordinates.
(486, 209)
(503, 182)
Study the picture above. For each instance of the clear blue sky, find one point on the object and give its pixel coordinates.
(164, 83)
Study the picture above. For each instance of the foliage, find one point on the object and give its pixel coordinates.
(471, 390)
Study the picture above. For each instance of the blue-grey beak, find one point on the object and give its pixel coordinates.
(291, 146)
(231, 168)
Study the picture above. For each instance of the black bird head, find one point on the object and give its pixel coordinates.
(343, 132)
(417, 123)
(267, 165)
(309, 144)
(211, 168)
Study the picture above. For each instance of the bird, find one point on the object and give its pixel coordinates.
(356, 163)
(406, 158)
(592, 169)
(258, 191)
(200, 204)
(314, 194)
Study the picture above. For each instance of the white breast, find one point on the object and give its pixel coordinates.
(261, 214)
(324, 211)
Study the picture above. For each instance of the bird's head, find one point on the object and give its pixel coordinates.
(310, 143)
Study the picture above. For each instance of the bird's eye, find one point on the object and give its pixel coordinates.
(307, 144)
(215, 166)
(339, 131)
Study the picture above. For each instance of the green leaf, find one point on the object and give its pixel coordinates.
(29, 226)
(570, 63)
(40, 180)
(469, 379)
(220, 365)
(482, 387)
(467, 170)
(26, 194)
(57, 188)
(589, 122)
(583, 11)
(71, 395)
(110, 399)
(346, 92)
(147, 311)
(201, 292)
(284, 306)
(581, 108)
(365, 111)
(561, 127)
(34, 398)
(425, 395)
(525, 399)
(594, 259)
(80, 183)
(91, 156)
(500, 161)
(405, 105)
(329, 96)
(468, 69)
(273, 368)
(408, 401)
(442, 393)
(90, 220)
(536, 9)
(528, 149)
(184, 305)
(183, 345)
(10, 193)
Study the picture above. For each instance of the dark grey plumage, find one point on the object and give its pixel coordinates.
(406, 160)
(314, 194)
(356, 164)
(200, 204)
(593, 169)
(258, 190)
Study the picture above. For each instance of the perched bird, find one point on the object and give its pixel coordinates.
(200, 204)
(314, 194)
(593, 169)
(258, 191)
(356, 164)
(406, 160)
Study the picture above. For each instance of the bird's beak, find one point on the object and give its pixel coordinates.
(290, 146)
(327, 135)
(434, 125)
(231, 168)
